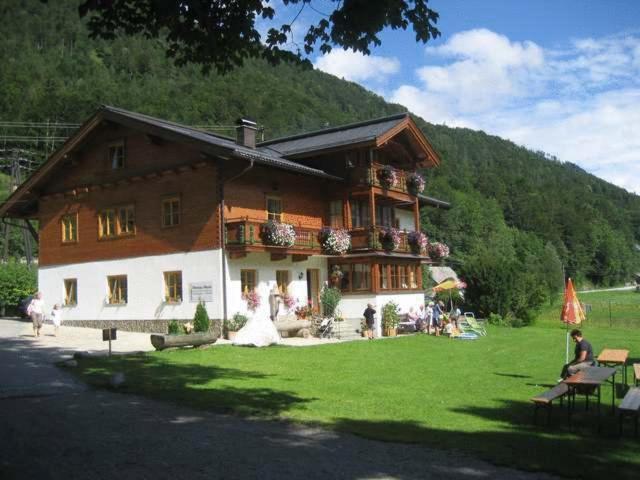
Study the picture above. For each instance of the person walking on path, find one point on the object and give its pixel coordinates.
(56, 318)
(36, 312)
(583, 356)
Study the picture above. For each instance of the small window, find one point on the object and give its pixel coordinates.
(70, 291)
(126, 220)
(117, 289)
(248, 280)
(107, 223)
(171, 211)
(414, 271)
(274, 209)
(173, 287)
(361, 276)
(335, 214)
(70, 228)
(360, 214)
(395, 276)
(282, 279)
(384, 281)
(116, 155)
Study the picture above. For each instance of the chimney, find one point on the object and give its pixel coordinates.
(246, 132)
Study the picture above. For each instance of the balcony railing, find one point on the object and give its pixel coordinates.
(370, 176)
(369, 239)
(247, 232)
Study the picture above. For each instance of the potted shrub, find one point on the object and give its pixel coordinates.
(390, 238)
(329, 298)
(388, 177)
(278, 234)
(390, 319)
(231, 327)
(335, 241)
(364, 328)
(201, 322)
(418, 242)
(415, 183)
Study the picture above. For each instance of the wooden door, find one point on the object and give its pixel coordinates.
(313, 288)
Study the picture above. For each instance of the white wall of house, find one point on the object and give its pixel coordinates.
(405, 219)
(352, 306)
(266, 270)
(145, 283)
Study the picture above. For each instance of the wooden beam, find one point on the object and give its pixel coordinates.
(299, 258)
(276, 256)
(416, 215)
(154, 139)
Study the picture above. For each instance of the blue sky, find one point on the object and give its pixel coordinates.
(562, 76)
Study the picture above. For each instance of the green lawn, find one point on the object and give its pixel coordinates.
(468, 395)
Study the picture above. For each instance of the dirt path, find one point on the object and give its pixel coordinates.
(74, 432)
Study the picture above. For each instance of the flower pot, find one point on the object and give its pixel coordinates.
(231, 335)
(391, 332)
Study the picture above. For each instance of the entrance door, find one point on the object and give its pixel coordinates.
(313, 288)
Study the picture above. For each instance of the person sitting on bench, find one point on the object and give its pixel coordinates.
(583, 356)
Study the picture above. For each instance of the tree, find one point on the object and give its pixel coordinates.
(222, 34)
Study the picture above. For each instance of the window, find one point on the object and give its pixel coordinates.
(118, 221)
(399, 277)
(345, 281)
(361, 276)
(395, 277)
(274, 209)
(414, 271)
(404, 284)
(384, 281)
(335, 214)
(248, 280)
(173, 287)
(171, 211)
(117, 289)
(282, 280)
(360, 214)
(70, 291)
(384, 216)
(116, 155)
(70, 228)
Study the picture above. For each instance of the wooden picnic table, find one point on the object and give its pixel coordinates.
(587, 379)
(612, 357)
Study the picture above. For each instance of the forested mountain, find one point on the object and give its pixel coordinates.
(509, 203)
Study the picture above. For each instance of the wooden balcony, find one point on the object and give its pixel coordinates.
(368, 176)
(363, 239)
(244, 235)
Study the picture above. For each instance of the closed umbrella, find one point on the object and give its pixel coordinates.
(572, 312)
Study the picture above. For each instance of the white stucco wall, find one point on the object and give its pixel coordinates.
(352, 306)
(266, 270)
(145, 284)
(405, 219)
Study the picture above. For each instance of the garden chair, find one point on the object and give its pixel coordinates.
(470, 323)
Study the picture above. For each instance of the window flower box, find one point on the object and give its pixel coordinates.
(390, 239)
(438, 251)
(278, 234)
(335, 241)
(418, 242)
(388, 177)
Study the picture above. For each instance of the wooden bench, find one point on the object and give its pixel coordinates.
(545, 399)
(161, 342)
(636, 373)
(630, 405)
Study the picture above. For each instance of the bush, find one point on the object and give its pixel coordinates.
(201, 322)
(173, 328)
(236, 323)
(390, 315)
(330, 298)
(17, 281)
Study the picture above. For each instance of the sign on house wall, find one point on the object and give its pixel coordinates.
(201, 292)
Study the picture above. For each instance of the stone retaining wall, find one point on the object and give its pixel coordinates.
(143, 326)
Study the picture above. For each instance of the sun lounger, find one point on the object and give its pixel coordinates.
(469, 323)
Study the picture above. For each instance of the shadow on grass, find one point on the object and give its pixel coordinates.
(190, 384)
(511, 375)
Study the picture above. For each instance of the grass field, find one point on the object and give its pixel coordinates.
(467, 395)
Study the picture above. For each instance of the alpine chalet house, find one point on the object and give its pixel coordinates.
(140, 218)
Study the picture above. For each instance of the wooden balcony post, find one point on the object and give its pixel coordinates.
(372, 208)
(416, 214)
(346, 211)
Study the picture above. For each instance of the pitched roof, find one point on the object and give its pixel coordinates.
(361, 132)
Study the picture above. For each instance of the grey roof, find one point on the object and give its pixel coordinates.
(434, 202)
(440, 274)
(220, 141)
(332, 137)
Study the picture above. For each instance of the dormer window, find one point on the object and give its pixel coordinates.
(274, 209)
(116, 155)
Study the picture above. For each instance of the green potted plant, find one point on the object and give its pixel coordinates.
(330, 298)
(232, 326)
(390, 319)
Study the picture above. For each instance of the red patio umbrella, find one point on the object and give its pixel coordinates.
(572, 312)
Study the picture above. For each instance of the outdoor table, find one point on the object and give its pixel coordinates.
(592, 377)
(610, 357)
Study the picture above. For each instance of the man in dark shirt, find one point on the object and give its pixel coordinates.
(583, 356)
(369, 317)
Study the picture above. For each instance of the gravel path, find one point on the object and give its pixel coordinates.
(73, 432)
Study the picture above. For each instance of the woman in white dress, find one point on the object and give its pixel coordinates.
(260, 331)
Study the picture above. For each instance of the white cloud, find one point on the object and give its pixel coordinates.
(581, 104)
(357, 67)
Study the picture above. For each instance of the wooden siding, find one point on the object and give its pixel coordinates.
(86, 184)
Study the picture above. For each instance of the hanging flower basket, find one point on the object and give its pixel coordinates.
(335, 241)
(415, 183)
(418, 242)
(390, 239)
(278, 234)
(438, 251)
(388, 177)
(253, 300)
